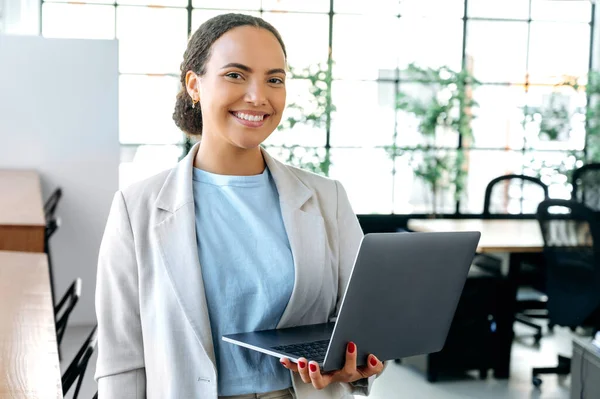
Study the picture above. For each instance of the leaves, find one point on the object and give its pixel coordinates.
(447, 110)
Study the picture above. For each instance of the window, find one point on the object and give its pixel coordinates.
(518, 49)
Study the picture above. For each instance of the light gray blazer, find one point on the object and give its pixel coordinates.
(154, 336)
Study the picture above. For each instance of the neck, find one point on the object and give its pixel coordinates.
(226, 159)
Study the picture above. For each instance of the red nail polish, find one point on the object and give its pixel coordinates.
(373, 362)
(313, 368)
(301, 364)
(351, 347)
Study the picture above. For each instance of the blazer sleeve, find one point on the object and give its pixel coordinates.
(350, 235)
(120, 371)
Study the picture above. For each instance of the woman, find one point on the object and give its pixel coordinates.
(228, 241)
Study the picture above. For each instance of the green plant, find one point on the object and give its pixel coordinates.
(554, 122)
(315, 113)
(447, 110)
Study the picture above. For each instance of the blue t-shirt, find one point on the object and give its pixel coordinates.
(248, 273)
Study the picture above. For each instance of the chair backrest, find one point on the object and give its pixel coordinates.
(572, 254)
(52, 203)
(65, 307)
(513, 194)
(76, 369)
(586, 185)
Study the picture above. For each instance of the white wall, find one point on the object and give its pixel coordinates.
(59, 115)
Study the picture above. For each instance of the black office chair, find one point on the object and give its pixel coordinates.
(586, 186)
(76, 369)
(518, 194)
(63, 310)
(52, 225)
(572, 252)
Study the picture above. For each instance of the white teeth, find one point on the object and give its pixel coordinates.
(251, 118)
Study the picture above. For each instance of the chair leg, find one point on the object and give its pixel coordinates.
(525, 320)
(563, 368)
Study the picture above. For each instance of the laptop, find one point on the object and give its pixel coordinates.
(399, 302)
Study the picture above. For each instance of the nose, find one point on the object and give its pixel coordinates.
(256, 94)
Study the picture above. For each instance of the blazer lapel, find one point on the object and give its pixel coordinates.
(306, 234)
(177, 241)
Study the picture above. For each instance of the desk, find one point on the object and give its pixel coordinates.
(29, 365)
(585, 369)
(514, 236)
(22, 222)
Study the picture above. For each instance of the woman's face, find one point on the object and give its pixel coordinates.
(242, 93)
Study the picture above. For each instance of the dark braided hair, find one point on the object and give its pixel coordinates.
(197, 54)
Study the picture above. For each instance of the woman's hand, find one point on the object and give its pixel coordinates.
(310, 373)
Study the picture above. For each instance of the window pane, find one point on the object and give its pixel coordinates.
(560, 111)
(577, 11)
(168, 3)
(367, 177)
(501, 9)
(312, 159)
(358, 49)
(146, 105)
(78, 21)
(358, 7)
(546, 64)
(228, 4)
(412, 194)
(146, 162)
(409, 134)
(298, 94)
(483, 166)
(553, 168)
(498, 50)
(296, 36)
(418, 45)
(364, 115)
(499, 116)
(295, 5)
(201, 16)
(428, 8)
(145, 49)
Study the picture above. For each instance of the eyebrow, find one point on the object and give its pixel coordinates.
(249, 70)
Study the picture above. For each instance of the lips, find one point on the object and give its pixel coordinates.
(247, 123)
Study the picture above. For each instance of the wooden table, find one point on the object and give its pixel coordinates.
(29, 365)
(513, 236)
(22, 222)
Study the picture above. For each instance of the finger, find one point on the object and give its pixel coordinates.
(303, 370)
(350, 365)
(375, 366)
(288, 364)
(319, 380)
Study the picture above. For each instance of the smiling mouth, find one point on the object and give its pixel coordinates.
(250, 120)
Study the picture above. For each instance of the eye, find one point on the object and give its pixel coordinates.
(234, 75)
(276, 81)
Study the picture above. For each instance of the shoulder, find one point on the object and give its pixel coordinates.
(317, 183)
(145, 192)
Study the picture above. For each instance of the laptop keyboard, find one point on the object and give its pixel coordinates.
(314, 351)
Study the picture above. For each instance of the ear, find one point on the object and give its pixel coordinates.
(192, 83)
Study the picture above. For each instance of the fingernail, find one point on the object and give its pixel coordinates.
(301, 364)
(351, 347)
(373, 361)
(282, 361)
(313, 368)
